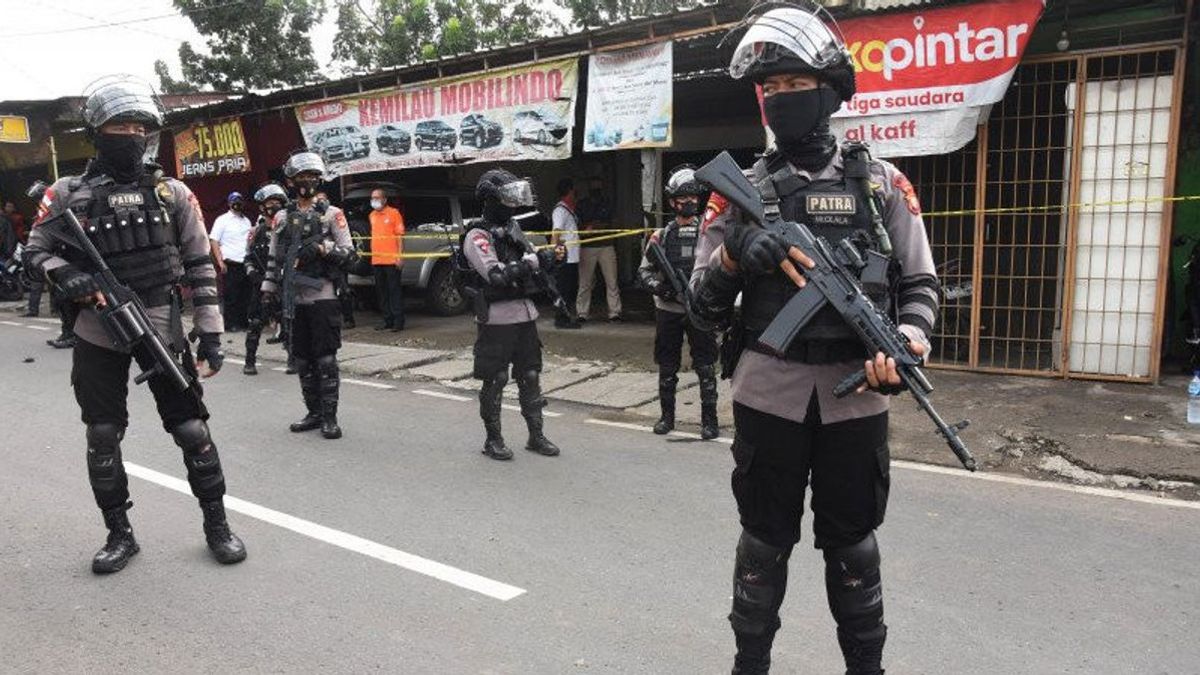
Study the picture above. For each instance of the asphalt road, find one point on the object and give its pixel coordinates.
(615, 557)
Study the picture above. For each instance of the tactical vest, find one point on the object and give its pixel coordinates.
(297, 228)
(833, 208)
(679, 243)
(133, 231)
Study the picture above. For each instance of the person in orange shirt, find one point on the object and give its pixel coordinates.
(387, 245)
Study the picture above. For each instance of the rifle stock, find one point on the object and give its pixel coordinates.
(679, 284)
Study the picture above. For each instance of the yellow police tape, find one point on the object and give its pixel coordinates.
(614, 233)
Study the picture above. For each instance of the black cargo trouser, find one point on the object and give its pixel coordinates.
(496, 347)
(237, 294)
(317, 330)
(670, 329)
(845, 463)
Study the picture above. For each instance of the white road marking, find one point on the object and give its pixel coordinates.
(642, 427)
(414, 563)
(230, 359)
(11, 323)
(36, 327)
(1109, 493)
(439, 394)
(365, 383)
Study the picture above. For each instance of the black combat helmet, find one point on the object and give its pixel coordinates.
(788, 38)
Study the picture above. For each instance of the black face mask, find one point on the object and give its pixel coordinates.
(497, 213)
(271, 210)
(236, 207)
(121, 155)
(793, 116)
(307, 188)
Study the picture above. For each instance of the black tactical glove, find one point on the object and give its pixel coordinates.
(341, 257)
(546, 259)
(74, 283)
(209, 351)
(755, 250)
(515, 273)
(309, 252)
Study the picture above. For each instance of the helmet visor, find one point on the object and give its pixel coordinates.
(681, 180)
(783, 32)
(516, 194)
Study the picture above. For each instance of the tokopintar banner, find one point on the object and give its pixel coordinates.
(926, 78)
(521, 113)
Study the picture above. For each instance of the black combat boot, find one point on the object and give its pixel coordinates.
(862, 657)
(293, 365)
(666, 401)
(490, 396)
(121, 546)
(753, 655)
(330, 381)
(64, 340)
(709, 427)
(529, 392)
(224, 544)
(309, 389)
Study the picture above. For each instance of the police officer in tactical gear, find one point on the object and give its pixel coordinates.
(791, 432)
(310, 247)
(270, 199)
(150, 231)
(503, 265)
(678, 241)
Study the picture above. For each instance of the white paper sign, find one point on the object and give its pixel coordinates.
(629, 99)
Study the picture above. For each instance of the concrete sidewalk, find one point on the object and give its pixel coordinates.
(1113, 435)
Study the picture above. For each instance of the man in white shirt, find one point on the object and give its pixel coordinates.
(566, 231)
(229, 237)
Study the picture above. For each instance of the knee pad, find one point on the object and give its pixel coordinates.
(668, 380)
(855, 589)
(254, 324)
(759, 583)
(201, 458)
(327, 366)
(493, 387)
(104, 454)
(529, 389)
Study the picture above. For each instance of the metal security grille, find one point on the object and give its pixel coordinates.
(947, 184)
(1049, 229)
(1023, 228)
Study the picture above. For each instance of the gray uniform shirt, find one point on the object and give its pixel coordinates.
(198, 272)
(336, 234)
(481, 253)
(760, 378)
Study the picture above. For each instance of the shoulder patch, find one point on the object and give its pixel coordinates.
(717, 204)
(481, 241)
(910, 195)
(339, 219)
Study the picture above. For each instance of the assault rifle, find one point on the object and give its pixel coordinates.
(541, 277)
(674, 276)
(833, 282)
(123, 315)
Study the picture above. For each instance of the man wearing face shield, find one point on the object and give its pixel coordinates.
(270, 199)
(310, 248)
(150, 233)
(791, 432)
(504, 263)
(678, 241)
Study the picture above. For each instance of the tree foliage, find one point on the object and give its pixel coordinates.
(254, 44)
(387, 33)
(596, 13)
(168, 84)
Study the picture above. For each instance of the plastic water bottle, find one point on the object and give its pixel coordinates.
(1194, 399)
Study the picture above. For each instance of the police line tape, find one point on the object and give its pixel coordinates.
(615, 234)
(1061, 208)
(611, 234)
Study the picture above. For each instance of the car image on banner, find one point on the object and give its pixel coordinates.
(505, 114)
(539, 126)
(341, 143)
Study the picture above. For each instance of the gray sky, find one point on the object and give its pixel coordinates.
(63, 63)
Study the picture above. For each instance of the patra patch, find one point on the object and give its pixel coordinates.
(125, 200)
(831, 205)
